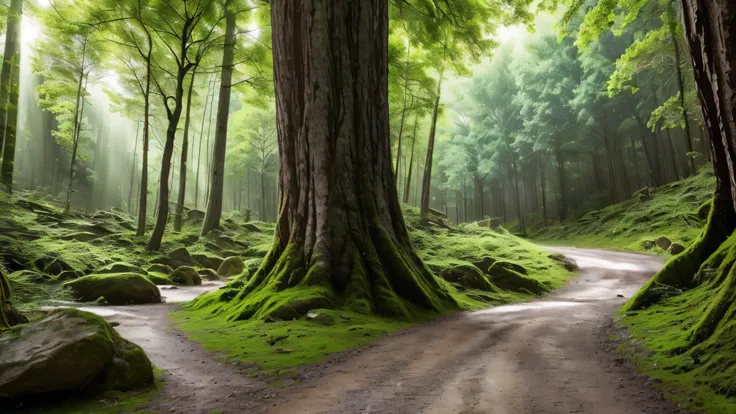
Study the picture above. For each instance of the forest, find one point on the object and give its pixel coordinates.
(282, 206)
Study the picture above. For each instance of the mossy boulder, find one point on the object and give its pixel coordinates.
(509, 279)
(160, 268)
(231, 266)
(69, 275)
(195, 215)
(159, 279)
(648, 244)
(676, 248)
(663, 242)
(208, 274)
(121, 267)
(70, 352)
(207, 261)
(116, 289)
(467, 276)
(181, 257)
(510, 266)
(186, 275)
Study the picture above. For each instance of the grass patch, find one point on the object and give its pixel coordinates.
(670, 210)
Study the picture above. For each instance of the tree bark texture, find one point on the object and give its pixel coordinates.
(184, 158)
(9, 89)
(340, 235)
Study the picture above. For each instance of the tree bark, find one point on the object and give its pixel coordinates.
(199, 143)
(543, 185)
(9, 89)
(563, 185)
(427, 179)
(407, 187)
(143, 195)
(681, 89)
(184, 161)
(340, 234)
(214, 206)
(78, 113)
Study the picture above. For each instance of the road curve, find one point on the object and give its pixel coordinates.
(544, 356)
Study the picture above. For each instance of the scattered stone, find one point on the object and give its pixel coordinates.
(663, 242)
(207, 261)
(232, 266)
(619, 295)
(195, 215)
(468, 276)
(676, 248)
(90, 356)
(208, 274)
(160, 268)
(344, 316)
(186, 275)
(181, 255)
(121, 267)
(117, 289)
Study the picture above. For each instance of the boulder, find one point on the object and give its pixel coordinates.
(207, 261)
(71, 352)
(208, 274)
(563, 261)
(232, 266)
(676, 248)
(484, 263)
(195, 215)
(509, 279)
(121, 267)
(663, 242)
(81, 236)
(165, 261)
(160, 268)
(186, 275)
(511, 266)
(69, 275)
(181, 256)
(467, 276)
(321, 318)
(159, 279)
(116, 289)
(252, 228)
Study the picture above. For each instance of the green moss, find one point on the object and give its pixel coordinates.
(159, 278)
(677, 210)
(117, 289)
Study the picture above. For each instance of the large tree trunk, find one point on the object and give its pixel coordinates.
(9, 88)
(340, 234)
(427, 179)
(710, 28)
(184, 158)
(214, 206)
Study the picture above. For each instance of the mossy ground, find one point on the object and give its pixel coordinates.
(670, 211)
(276, 348)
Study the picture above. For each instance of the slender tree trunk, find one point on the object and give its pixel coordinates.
(611, 169)
(132, 172)
(681, 89)
(143, 194)
(340, 232)
(214, 207)
(543, 184)
(401, 131)
(78, 113)
(208, 147)
(407, 187)
(184, 154)
(427, 180)
(563, 185)
(673, 155)
(9, 88)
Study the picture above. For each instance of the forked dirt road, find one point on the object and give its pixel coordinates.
(544, 356)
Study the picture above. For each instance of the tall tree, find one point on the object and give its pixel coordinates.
(9, 89)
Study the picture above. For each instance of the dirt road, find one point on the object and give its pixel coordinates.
(544, 356)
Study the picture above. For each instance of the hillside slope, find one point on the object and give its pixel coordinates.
(672, 211)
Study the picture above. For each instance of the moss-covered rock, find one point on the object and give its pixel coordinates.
(676, 248)
(71, 352)
(663, 242)
(159, 279)
(484, 263)
(510, 266)
(208, 274)
(181, 256)
(186, 275)
(231, 266)
(69, 275)
(121, 267)
(28, 276)
(160, 268)
(467, 276)
(208, 261)
(509, 279)
(116, 289)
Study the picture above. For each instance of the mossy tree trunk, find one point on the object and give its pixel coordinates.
(340, 235)
(9, 90)
(181, 196)
(710, 28)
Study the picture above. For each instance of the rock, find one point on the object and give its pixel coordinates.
(14, 318)
(232, 266)
(28, 276)
(252, 227)
(69, 275)
(165, 261)
(181, 255)
(468, 276)
(321, 318)
(81, 236)
(121, 267)
(117, 289)
(648, 244)
(208, 274)
(186, 275)
(159, 279)
(71, 352)
(676, 248)
(509, 279)
(344, 316)
(160, 268)
(210, 262)
(563, 261)
(195, 215)
(663, 242)
(484, 263)
(511, 266)
(51, 265)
